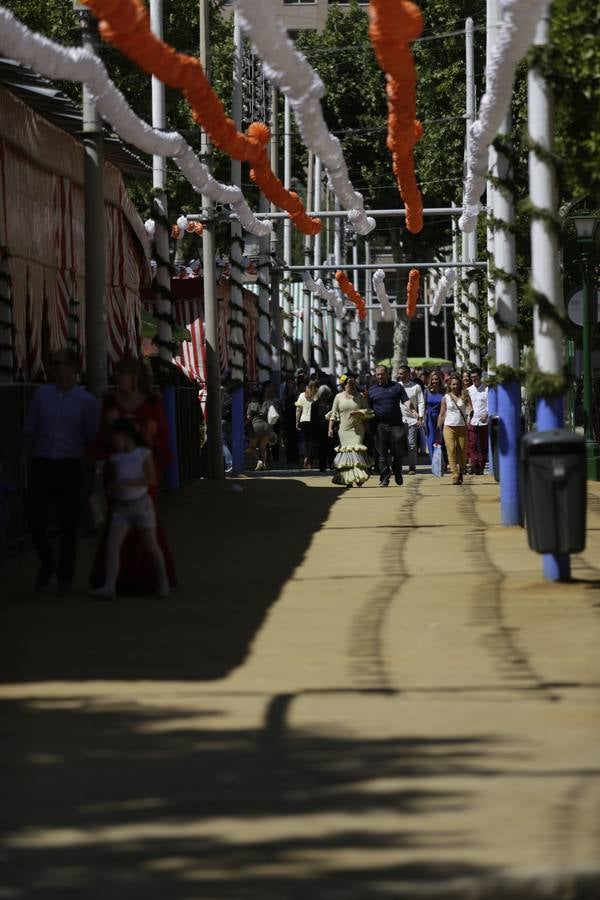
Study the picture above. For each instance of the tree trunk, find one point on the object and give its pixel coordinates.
(401, 336)
(402, 326)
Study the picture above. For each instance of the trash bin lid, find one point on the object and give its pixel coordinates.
(555, 440)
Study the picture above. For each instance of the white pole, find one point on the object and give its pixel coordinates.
(491, 32)
(340, 352)
(473, 320)
(545, 270)
(211, 333)
(159, 181)
(456, 296)
(318, 336)
(276, 339)
(371, 335)
(306, 315)
(287, 177)
(426, 317)
(237, 330)
(445, 332)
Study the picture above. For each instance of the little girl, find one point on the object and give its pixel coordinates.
(134, 473)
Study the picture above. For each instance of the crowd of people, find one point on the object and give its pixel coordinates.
(353, 428)
(370, 424)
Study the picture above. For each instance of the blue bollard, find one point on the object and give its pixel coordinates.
(492, 411)
(509, 411)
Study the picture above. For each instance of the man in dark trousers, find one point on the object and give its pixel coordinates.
(385, 398)
(61, 423)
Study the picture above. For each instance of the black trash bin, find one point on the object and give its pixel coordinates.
(553, 487)
(495, 446)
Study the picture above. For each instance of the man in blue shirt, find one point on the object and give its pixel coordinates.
(385, 398)
(61, 423)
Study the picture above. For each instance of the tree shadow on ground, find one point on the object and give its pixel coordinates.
(235, 544)
(129, 802)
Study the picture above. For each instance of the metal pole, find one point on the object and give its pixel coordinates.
(159, 180)
(95, 264)
(318, 335)
(306, 316)
(507, 345)
(454, 211)
(340, 356)
(456, 297)
(213, 369)
(445, 332)
(426, 322)
(275, 296)
(473, 320)
(491, 32)
(237, 332)
(371, 331)
(287, 177)
(388, 267)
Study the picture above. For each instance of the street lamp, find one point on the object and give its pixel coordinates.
(585, 226)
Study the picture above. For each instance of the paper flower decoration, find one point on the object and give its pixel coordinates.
(351, 293)
(393, 25)
(412, 294)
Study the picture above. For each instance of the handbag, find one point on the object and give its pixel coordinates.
(272, 415)
(437, 461)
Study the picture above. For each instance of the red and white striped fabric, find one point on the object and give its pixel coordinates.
(192, 357)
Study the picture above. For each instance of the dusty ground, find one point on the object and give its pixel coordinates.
(367, 693)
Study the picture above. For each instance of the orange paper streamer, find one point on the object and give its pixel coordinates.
(126, 25)
(393, 24)
(412, 294)
(351, 293)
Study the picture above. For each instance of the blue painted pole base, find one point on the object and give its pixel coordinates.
(238, 437)
(550, 415)
(509, 411)
(172, 470)
(492, 411)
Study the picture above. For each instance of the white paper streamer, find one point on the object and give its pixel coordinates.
(332, 297)
(515, 35)
(289, 69)
(388, 314)
(76, 64)
(150, 226)
(445, 285)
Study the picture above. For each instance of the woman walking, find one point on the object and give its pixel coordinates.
(454, 413)
(352, 462)
(305, 421)
(434, 394)
(260, 432)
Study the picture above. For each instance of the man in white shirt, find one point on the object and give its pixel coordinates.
(478, 426)
(412, 417)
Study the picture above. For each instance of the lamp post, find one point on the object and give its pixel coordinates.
(586, 225)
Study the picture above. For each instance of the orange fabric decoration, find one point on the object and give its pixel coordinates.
(126, 25)
(393, 24)
(175, 232)
(194, 227)
(351, 293)
(412, 294)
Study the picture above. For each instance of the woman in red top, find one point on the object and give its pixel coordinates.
(134, 399)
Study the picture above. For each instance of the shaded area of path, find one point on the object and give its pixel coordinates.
(234, 551)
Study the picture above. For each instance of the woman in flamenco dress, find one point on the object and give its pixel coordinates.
(349, 411)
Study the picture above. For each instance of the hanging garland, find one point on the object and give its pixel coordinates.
(76, 64)
(388, 314)
(393, 25)
(126, 24)
(290, 71)
(330, 296)
(515, 35)
(351, 293)
(412, 293)
(445, 285)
